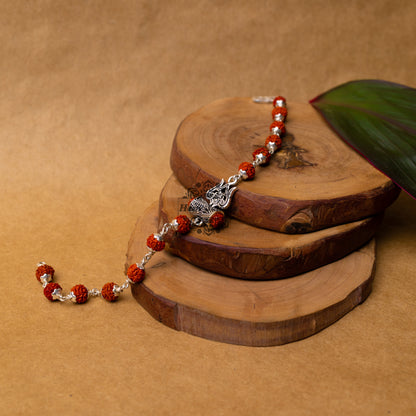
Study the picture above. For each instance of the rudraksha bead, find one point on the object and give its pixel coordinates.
(278, 98)
(279, 110)
(81, 293)
(48, 290)
(182, 224)
(155, 243)
(217, 219)
(135, 273)
(107, 292)
(44, 269)
(264, 152)
(248, 170)
(273, 138)
(278, 124)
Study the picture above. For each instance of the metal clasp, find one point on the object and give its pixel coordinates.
(263, 99)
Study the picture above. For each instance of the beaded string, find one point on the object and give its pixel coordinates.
(206, 211)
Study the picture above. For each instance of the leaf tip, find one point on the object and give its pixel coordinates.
(313, 100)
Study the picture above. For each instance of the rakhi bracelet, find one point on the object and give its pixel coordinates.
(208, 211)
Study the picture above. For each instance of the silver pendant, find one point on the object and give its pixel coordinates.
(220, 195)
(199, 208)
(219, 198)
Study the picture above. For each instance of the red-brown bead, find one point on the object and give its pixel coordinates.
(274, 139)
(48, 290)
(280, 125)
(107, 292)
(135, 273)
(248, 168)
(81, 293)
(279, 110)
(217, 219)
(278, 98)
(44, 269)
(183, 224)
(264, 152)
(154, 243)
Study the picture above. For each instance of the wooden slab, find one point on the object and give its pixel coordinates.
(315, 181)
(254, 313)
(246, 252)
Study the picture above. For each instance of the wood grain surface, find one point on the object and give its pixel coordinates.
(255, 313)
(247, 252)
(315, 181)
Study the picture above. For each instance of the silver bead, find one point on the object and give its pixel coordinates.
(279, 117)
(117, 290)
(158, 237)
(45, 279)
(280, 103)
(174, 225)
(260, 158)
(243, 174)
(57, 294)
(276, 131)
(72, 297)
(272, 147)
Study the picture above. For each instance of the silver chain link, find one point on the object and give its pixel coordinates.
(235, 179)
(165, 229)
(94, 292)
(57, 294)
(147, 257)
(118, 289)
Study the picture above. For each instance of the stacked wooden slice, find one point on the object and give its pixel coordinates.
(296, 253)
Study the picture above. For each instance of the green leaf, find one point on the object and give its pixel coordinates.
(378, 119)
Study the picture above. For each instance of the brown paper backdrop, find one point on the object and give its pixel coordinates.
(91, 95)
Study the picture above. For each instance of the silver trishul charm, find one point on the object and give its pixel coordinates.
(220, 195)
